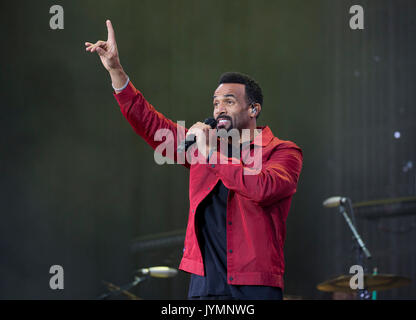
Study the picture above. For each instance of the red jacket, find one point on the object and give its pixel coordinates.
(257, 205)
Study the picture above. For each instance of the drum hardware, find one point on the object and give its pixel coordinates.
(145, 273)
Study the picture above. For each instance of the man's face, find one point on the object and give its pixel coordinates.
(231, 107)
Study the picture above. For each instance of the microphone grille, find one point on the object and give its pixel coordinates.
(211, 121)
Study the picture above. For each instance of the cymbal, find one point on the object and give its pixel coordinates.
(113, 287)
(291, 297)
(372, 282)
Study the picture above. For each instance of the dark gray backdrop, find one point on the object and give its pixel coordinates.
(80, 189)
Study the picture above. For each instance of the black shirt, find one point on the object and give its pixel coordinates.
(210, 221)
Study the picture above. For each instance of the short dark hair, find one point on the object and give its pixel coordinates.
(253, 90)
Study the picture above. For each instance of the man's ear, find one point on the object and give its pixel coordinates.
(254, 110)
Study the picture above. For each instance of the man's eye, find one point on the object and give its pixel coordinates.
(230, 102)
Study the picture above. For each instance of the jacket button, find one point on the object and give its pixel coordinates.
(230, 223)
(213, 165)
(231, 278)
(231, 251)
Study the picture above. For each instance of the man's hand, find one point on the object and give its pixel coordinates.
(108, 53)
(204, 135)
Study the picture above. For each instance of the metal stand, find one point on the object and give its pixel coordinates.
(360, 242)
(362, 294)
(124, 288)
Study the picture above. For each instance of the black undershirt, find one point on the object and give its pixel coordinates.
(210, 221)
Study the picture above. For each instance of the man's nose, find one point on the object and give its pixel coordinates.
(222, 109)
(219, 114)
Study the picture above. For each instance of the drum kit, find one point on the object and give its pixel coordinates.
(372, 283)
(340, 286)
(141, 275)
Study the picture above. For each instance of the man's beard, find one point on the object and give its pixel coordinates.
(228, 125)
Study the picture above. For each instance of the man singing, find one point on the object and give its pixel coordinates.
(237, 220)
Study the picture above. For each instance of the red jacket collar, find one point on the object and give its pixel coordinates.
(265, 138)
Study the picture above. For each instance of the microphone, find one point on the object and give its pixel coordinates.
(159, 272)
(191, 139)
(334, 202)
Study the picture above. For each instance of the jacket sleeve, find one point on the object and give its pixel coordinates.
(150, 124)
(276, 180)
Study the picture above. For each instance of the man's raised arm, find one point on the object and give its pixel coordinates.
(141, 115)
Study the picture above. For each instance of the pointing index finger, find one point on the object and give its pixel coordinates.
(111, 35)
